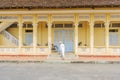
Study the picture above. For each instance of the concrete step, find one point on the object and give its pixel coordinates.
(57, 61)
(56, 56)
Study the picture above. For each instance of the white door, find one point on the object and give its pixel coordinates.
(66, 36)
(113, 39)
(68, 40)
(28, 39)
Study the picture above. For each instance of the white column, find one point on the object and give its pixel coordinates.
(91, 37)
(49, 36)
(107, 32)
(107, 36)
(35, 36)
(20, 25)
(76, 38)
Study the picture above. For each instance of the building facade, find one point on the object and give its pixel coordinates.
(85, 29)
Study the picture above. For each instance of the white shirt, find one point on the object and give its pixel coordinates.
(62, 47)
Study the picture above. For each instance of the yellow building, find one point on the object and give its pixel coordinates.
(34, 27)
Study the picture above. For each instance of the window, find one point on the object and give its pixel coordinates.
(27, 25)
(28, 31)
(113, 37)
(28, 39)
(58, 26)
(80, 25)
(68, 25)
(24, 25)
(99, 25)
(62, 25)
(115, 25)
(113, 30)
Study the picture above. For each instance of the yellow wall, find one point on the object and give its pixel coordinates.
(99, 36)
(83, 34)
(119, 35)
(42, 34)
(23, 35)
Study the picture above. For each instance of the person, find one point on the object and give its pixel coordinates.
(62, 50)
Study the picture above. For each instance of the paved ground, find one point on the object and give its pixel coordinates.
(58, 71)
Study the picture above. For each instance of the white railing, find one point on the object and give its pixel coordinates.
(10, 37)
(114, 50)
(39, 50)
(7, 50)
(100, 50)
(28, 50)
(42, 50)
(84, 50)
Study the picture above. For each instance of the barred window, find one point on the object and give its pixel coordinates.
(68, 25)
(26, 25)
(113, 30)
(29, 25)
(115, 25)
(99, 25)
(61, 25)
(28, 31)
(58, 25)
(80, 25)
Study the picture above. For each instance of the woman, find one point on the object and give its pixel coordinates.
(62, 49)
